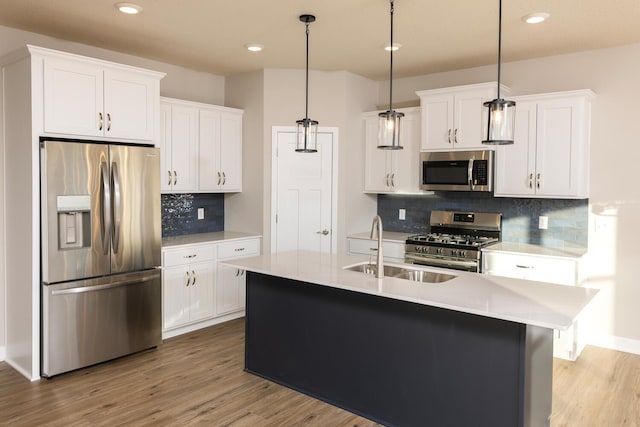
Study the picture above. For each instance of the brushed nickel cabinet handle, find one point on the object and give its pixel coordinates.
(224, 178)
(108, 122)
(100, 117)
(175, 178)
(194, 278)
(169, 181)
(449, 136)
(538, 181)
(530, 180)
(455, 136)
(188, 278)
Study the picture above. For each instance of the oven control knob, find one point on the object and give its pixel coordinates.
(455, 252)
(463, 253)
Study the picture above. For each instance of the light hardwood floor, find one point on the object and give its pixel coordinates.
(197, 379)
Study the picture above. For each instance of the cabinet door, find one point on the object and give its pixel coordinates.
(73, 98)
(515, 164)
(560, 148)
(229, 290)
(129, 105)
(231, 151)
(166, 172)
(184, 147)
(467, 132)
(201, 303)
(209, 151)
(405, 171)
(437, 122)
(175, 296)
(377, 163)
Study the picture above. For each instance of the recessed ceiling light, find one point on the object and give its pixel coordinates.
(128, 8)
(254, 47)
(535, 18)
(395, 47)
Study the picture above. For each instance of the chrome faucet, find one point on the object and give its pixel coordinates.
(376, 228)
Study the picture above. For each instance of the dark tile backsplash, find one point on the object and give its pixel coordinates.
(180, 213)
(568, 219)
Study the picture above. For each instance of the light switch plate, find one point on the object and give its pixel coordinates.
(200, 213)
(402, 214)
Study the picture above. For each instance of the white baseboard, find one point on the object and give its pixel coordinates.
(615, 343)
(170, 333)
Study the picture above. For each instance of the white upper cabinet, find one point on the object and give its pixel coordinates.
(392, 171)
(93, 98)
(220, 150)
(452, 117)
(178, 147)
(201, 147)
(550, 154)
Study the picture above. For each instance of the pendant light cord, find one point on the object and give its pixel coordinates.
(391, 61)
(306, 103)
(499, 43)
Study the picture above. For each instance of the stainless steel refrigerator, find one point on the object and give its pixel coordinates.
(101, 245)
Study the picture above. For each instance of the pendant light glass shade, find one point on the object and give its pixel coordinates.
(306, 136)
(499, 118)
(307, 129)
(499, 122)
(390, 122)
(389, 130)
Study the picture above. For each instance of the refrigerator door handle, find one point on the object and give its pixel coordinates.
(105, 207)
(82, 289)
(116, 207)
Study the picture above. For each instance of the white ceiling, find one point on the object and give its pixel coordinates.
(209, 35)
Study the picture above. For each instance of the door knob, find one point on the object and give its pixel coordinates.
(323, 232)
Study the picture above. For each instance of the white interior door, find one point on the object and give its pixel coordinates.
(303, 193)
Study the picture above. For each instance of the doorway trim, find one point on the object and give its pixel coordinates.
(334, 181)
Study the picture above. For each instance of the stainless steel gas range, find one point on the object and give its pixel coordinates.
(455, 240)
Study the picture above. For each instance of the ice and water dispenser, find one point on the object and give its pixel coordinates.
(74, 221)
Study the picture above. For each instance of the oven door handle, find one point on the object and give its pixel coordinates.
(439, 262)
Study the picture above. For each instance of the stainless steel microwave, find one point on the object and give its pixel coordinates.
(457, 170)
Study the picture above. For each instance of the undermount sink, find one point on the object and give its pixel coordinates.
(413, 274)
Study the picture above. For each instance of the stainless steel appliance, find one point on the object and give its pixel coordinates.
(101, 243)
(455, 240)
(457, 170)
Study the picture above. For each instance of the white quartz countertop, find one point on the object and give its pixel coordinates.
(389, 236)
(533, 303)
(527, 249)
(192, 239)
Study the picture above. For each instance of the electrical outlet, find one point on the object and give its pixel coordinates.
(543, 222)
(200, 213)
(402, 214)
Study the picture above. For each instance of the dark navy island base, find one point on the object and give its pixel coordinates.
(395, 362)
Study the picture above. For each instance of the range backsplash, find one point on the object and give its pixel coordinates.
(568, 219)
(180, 213)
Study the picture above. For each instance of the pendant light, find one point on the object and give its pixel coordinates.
(499, 121)
(307, 129)
(389, 122)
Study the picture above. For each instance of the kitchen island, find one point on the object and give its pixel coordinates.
(473, 350)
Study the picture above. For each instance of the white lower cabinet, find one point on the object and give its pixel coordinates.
(188, 279)
(196, 291)
(557, 270)
(230, 292)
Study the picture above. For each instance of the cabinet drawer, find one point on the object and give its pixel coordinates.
(542, 269)
(364, 246)
(239, 248)
(188, 255)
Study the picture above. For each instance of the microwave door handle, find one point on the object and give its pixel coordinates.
(470, 175)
